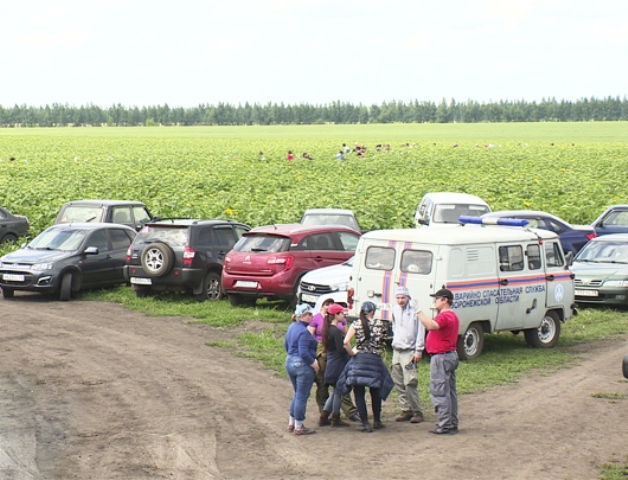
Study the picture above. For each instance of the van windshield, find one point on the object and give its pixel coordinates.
(449, 213)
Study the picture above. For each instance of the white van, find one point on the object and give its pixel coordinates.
(442, 208)
(503, 278)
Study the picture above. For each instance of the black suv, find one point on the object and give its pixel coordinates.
(181, 254)
(130, 213)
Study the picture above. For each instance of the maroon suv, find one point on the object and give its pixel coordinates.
(270, 261)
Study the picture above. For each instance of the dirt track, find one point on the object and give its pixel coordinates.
(92, 391)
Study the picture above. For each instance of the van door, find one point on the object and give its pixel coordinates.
(521, 291)
(560, 289)
(472, 278)
(416, 270)
(375, 279)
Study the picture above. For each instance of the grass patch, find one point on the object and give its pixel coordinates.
(221, 344)
(609, 395)
(216, 314)
(614, 471)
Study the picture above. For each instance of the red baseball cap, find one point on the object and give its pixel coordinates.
(335, 308)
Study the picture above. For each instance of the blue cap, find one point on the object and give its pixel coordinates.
(303, 308)
(368, 307)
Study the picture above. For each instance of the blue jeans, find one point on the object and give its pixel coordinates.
(333, 402)
(302, 378)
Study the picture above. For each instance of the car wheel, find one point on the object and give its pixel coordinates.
(471, 343)
(7, 293)
(157, 259)
(9, 238)
(212, 289)
(141, 292)
(65, 292)
(546, 335)
(626, 365)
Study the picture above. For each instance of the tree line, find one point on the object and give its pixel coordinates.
(547, 110)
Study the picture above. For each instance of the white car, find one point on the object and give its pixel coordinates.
(330, 216)
(444, 208)
(323, 283)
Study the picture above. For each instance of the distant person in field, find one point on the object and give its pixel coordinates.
(261, 156)
(346, 149)
(290, 156)
(340, 156)
(307, 156)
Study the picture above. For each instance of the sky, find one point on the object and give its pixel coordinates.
(190, 52)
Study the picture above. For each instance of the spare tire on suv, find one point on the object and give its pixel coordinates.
(157, 259)
(181, 255)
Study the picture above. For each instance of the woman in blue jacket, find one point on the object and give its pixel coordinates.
(301, 366)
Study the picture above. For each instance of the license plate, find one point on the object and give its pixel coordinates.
(12, 278)
(308, 298)
(244, 284)
(141, 281)
(587, 293)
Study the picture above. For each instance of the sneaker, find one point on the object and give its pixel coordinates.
(417, 418)
(404, 417)
(303, 431)
(444, 431)
(355, 418)
(290, 428)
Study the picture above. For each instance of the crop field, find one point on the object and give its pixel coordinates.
(571, 170)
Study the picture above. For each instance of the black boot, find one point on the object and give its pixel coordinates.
(366, 426)
(377, 423)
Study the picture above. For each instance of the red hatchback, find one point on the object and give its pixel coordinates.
(270, 261)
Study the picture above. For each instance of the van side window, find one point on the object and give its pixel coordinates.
(533, 252)
(380, 258)
(416, 261)
(553, 257)
(511, 258)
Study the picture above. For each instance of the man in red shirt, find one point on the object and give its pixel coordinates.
(441, 343)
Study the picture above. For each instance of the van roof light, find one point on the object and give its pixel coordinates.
(510, 222)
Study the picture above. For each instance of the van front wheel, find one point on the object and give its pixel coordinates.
(547, 334)
(470, 344)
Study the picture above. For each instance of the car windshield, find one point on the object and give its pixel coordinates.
(449, 213)
(65, 240)
(330, 219)
(82, 214)
(176, 237)
(604, 252)
(262, 243)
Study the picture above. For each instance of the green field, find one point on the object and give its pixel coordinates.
(574, 170)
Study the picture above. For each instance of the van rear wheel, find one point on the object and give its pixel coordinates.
(470, 344)
(546, 335)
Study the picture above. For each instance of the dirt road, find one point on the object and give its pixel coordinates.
(90, 390)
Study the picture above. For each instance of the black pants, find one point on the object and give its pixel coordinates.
(360, 402)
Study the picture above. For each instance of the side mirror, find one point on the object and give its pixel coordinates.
(422, 221)
(91, 251)
(568, 258)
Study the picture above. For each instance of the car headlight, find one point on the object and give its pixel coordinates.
(43, 266)
(616, 283)
(340, 287)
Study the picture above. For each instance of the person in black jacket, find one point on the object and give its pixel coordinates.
(337, 358)
(366, 367)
